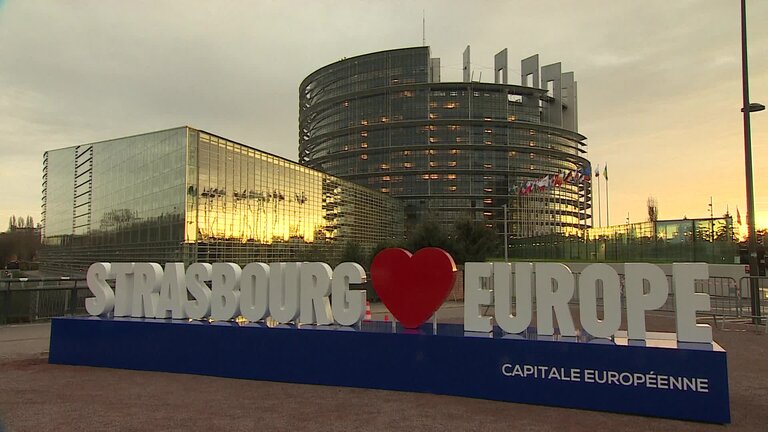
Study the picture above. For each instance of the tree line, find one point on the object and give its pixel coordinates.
(20, 243)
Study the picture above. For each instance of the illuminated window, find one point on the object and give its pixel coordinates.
(407, 165)
(452, 163)
(346, 103)
(512, 118)
(384, 119)
(363, 122)
(532, 132)
(487, 142)
(432, 139)
(432, 164)
(385, 190)
(385, 178)
(364, 156)
(363, 133)
(488, 201)
(407, 93)
(433, 104)
(452, 188)
(364, 145)
(532, 143)
(429, 152)
(454, 127)
(434, 176)
(487, 119)
(454, 151)
(488, 130)
(384, 166)
(406, 152)
(512, 154)
(531, 155)
(488, 190)
(451, 105)
(487, 166)
(450, 176)
(433, 116)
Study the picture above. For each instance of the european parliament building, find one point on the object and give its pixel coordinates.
(453, 150)
(186, 195)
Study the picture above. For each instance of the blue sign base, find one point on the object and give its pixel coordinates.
(655, 378)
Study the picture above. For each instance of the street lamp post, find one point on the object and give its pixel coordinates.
(506, 236)
(712, 227)
(747, 108)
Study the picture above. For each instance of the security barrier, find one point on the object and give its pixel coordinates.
(33, 299)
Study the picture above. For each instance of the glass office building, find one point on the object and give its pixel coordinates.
(185, 195)
(680, 240)
(451, 150)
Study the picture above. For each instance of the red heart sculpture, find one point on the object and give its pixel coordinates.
(414, 286)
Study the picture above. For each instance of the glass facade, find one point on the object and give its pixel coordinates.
(684, 240)
(446, 150)
(187, 195)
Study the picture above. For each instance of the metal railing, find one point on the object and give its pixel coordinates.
(729, 298)
(33, 299)
(762, 301)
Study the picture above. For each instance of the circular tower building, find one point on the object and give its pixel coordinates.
(453, 150)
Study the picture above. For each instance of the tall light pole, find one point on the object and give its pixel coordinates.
(506, 236)
(747, 108)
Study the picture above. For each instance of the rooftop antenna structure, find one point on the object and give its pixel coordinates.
(423, 28)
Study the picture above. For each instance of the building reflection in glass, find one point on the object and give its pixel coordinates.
(188, 195)
(682, 240)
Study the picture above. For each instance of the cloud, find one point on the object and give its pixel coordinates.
(649, 73)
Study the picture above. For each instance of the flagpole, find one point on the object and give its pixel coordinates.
(607, 209)
(599, 210)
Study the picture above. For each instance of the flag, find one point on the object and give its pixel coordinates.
(569, 177)
(605, 172)
(738, 216)
(597, 171)
(585, 174)
(559, 180)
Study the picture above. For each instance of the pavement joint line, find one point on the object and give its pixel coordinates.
(23, 339)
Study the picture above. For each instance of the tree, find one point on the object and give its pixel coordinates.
(429, 234)
(381, 246)
(473, 241)
(352, 252)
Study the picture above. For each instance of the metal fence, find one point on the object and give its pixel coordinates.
(730, 299)
(33, 299)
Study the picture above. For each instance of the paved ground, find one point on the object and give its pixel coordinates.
(36, 396)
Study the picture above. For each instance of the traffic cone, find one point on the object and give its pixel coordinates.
(367, 311)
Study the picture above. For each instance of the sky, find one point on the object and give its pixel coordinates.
(659, 81)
